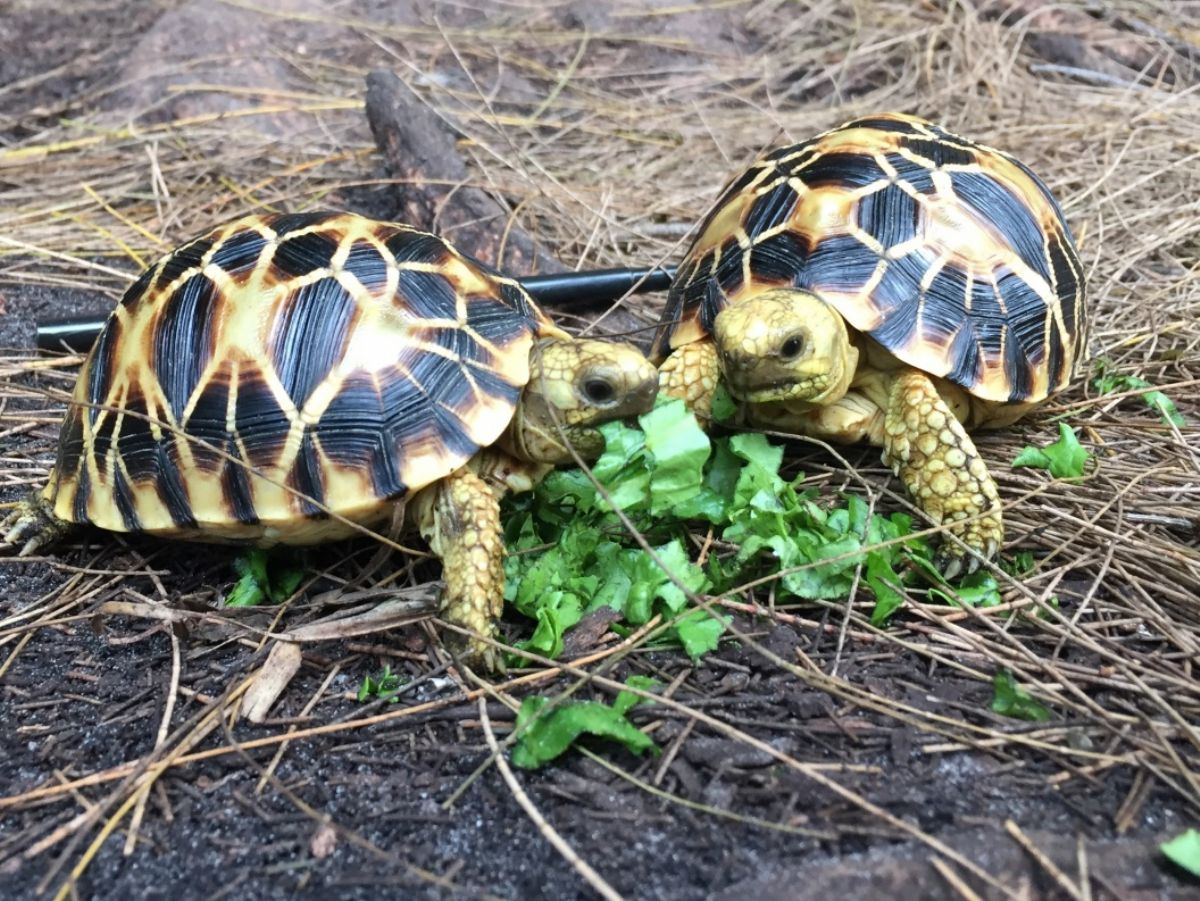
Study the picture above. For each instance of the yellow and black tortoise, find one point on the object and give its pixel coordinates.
(284, 378)
(886, 281)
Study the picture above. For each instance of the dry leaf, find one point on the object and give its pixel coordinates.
(144, 610)
(387, 615)
(324, 841)
(282, 664)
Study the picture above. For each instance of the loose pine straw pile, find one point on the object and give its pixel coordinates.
(630, 141)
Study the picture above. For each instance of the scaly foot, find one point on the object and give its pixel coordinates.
(692, 373)
(32, 524)
(930, 451)
(460, 518)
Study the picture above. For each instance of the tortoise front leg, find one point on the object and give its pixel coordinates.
(930, 451)
(460, 518)
(692, 373)
(33, 522)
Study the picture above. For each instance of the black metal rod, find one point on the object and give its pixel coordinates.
(597, 286)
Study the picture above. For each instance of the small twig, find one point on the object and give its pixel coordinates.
(1091, 76)
(164, 726)
(954, 879)
(1043, 861)
(1081, 860)
(669, 755)
(594, 879)
(849, 604)
(278, 756)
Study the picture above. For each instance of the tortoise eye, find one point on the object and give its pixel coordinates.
(791, 348)
(599, 391)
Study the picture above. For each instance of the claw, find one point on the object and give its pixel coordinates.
(34, 523)
(493, 661)
(951, 568)
(10, 532)
(477, 654)
(954, 561)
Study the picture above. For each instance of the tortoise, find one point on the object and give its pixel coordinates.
(885, 281)
(292, 378)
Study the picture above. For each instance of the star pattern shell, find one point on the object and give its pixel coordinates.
(283, 368)
(951, 255)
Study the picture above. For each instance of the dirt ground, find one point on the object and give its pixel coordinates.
(814, 757)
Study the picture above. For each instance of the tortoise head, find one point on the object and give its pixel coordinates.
(576, 385)
(784, 344)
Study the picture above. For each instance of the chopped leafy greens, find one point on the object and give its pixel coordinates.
(979, 589)
(1022, 562)
(264, 576)
(542, 736)
(570, 554)
(1110, 382)
(1065, 458)
(1184, 851)
(724, 407)
(1010, 699)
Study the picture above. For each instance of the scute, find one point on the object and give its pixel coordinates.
(298, 254)
(770, 210)
(182, 262)
(202, 431)
(139, 450)
(774, 260)
(891, 215)
(368, 265)
(308, 479)
(427, 295)
(262, 420)
(951, 255)
(312, 325)
(171, 490)
(1013, 218)
(353, 437)
(183, 340)
(240, 252)
(285, 369)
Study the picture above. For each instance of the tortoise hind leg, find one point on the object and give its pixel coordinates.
(928, 448)
(34, 523)
(460, 518)
(692, 372)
